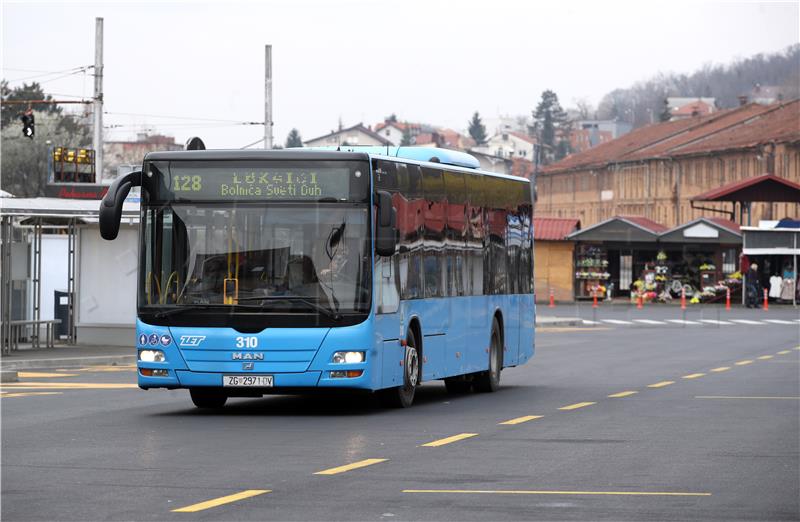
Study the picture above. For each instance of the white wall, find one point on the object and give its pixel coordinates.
(107, 278)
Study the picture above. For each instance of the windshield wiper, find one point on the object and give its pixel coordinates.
(329, 312)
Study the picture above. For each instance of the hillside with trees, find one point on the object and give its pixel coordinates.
(644, 101)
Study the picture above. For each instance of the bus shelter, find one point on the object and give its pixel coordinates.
(26, 227)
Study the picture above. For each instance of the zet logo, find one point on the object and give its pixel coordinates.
(142, 339)
(192, 340)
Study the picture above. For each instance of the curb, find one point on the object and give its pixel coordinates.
(67, 362)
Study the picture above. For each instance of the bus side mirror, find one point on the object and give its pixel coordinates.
(111, 205)
(386, 229)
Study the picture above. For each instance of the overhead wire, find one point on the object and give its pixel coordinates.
(190, 118)
(65, 72)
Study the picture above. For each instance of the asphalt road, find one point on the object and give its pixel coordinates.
(609, 423)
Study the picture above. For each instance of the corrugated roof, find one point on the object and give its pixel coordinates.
(643, 222)
(744, 126)
(727, 224)
(554, 229)
(766, 187)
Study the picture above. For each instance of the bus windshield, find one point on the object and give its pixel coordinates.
(284, 257)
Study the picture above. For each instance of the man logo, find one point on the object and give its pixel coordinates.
(192, 340)
(247, 356)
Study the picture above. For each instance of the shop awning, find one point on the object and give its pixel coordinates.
(771, 241)
(631, 229)
(704, 230)
(766, 187)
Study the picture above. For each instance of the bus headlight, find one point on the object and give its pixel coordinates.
(152, 356)
(348, 357)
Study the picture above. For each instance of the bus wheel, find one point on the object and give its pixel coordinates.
(489, 380)
(208, 398)
(403, 396)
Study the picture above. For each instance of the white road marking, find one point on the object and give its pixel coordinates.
(682, 321)
(779, 321)
(649, 321)
(616, 321)
(714, 321)
(746, 321)
(587, 321)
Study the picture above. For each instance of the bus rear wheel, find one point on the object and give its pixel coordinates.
(208, 398)
(489, 380)
(403, 396)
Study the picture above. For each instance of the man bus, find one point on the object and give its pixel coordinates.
(372, 268)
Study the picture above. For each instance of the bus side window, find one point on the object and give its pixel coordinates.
(433, 237)
(475, 234)
(456, 232)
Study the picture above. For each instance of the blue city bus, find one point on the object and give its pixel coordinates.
(372, 268)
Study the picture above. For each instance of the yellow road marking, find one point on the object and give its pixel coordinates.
(5, 395)
(545, 492)
(576, 406)
(693, 375)
(449, 440)
(721, 369)
(660, 384)
(743, 363)
(348, 467)
(784, 352)
(125, 368)
(520, 420)
(214, 502)
(622, 394)
(43, 375)
(765, 357)
(727, 397)
(67, 385)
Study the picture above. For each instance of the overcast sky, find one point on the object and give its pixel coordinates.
(430, 61)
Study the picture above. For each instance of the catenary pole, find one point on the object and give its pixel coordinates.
(268, 97)
(98, 97)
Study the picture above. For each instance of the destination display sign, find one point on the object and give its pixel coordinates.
(243, 182)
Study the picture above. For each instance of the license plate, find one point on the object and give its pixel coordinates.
(261, 381)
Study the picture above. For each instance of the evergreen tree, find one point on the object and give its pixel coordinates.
(549, 117)
(392, 118)
(294, 139)
(552, 127)
(477, 129)
(406, 139)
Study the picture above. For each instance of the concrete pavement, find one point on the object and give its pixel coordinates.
(666, 424)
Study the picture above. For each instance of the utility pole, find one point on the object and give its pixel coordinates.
(98, 98)
(268, 98)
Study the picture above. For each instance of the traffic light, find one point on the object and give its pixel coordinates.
(27, 124)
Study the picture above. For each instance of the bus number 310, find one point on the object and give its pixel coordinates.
(247, 342)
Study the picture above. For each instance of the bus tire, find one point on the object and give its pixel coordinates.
(403, 396)
(208, 398)
(489, 381)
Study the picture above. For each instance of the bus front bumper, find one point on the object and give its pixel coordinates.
(309, 379)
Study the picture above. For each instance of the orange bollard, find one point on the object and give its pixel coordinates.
(766, 302)
(594, 299)
(639, 302)
(683, 299)
(552, 300)
(728, 300)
